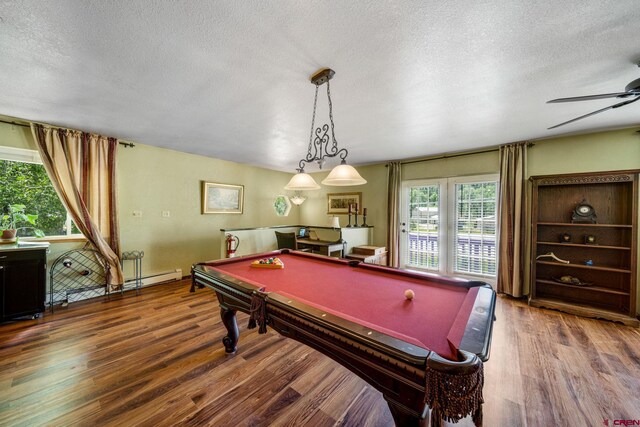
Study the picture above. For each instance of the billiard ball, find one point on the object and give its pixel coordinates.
(409, 294)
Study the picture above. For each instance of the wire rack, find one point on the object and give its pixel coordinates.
(77, 275)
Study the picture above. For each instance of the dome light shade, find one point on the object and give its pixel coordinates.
(302, 181)
(343, 175)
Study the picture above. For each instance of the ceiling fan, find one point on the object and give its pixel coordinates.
(632, 90)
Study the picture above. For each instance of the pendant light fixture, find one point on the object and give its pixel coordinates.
(320, 148)
(297, 199)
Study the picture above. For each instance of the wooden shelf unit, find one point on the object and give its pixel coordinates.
(612, 291)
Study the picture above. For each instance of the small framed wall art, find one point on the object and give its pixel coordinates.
(338, 203)
(222, 198)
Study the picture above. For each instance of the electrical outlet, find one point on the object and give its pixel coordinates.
(137, 213)
(166, 214)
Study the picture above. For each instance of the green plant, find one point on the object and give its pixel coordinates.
(17, 216)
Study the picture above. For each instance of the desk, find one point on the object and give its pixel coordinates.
(419, 353)
(323, 247)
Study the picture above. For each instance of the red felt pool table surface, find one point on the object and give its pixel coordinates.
(374, 297)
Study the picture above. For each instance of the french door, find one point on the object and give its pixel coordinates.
(449, 226)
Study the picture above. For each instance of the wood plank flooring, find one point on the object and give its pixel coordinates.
(156, 359)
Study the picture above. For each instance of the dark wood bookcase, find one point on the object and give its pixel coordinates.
(609, 289)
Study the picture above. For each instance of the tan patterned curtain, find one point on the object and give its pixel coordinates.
(394, 179)
(512, 220)
(81, 167)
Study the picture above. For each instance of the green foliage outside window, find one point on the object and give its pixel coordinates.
(28, 184)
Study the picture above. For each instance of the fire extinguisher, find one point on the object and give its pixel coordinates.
(232, 245)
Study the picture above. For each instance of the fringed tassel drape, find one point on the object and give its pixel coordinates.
(394, 179)
(81, 167)
(512, 211)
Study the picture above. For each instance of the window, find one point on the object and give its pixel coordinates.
(424, 226)
(450, 226)
(24, 181)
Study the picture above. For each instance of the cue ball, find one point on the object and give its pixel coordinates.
(409, 294)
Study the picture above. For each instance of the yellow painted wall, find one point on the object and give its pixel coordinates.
(602, 151)
(153, 180)
(472, 164)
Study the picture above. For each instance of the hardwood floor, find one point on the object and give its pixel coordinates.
(156, 359)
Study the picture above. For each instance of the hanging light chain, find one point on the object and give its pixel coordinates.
(315, 150)
(313, 121)
(333, 131)
(334, 148)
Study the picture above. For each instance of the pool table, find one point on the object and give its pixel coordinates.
(421, 353)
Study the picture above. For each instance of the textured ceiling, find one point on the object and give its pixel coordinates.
(230, 79)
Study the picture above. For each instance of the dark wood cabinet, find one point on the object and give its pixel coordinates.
(22, 281)
(602, 256)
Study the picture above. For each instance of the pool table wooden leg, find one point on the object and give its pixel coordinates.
(229, 320)
(402, 417)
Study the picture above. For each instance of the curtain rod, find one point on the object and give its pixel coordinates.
(450, 156)
(15, 124)
(126, 144)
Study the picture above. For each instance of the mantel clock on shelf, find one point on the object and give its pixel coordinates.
(583, 213)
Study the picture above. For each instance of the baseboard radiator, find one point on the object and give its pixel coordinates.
(155, 279)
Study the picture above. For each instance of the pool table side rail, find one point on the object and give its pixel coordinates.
(394, 367)
(398, 375)
(237, 294)
(479, 329)
(476, 338)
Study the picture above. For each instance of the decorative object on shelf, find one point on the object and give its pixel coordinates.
(364, 217)
(8, 237)
(570, 280)
(222, 198)
(335, 222)
(349, 216)
(552, 256)
(10, 221)
(355, 220)
(297, 198)
(566, 237)
(282, 206)
(338, 203)
(589, 239)
(583, 213)
(613, 195)
(320, 149)
(588, 262)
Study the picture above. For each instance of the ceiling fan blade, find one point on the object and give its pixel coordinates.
(590, 97)
(618, 105)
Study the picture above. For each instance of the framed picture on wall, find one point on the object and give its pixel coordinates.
(338, 203)
(222, 198)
